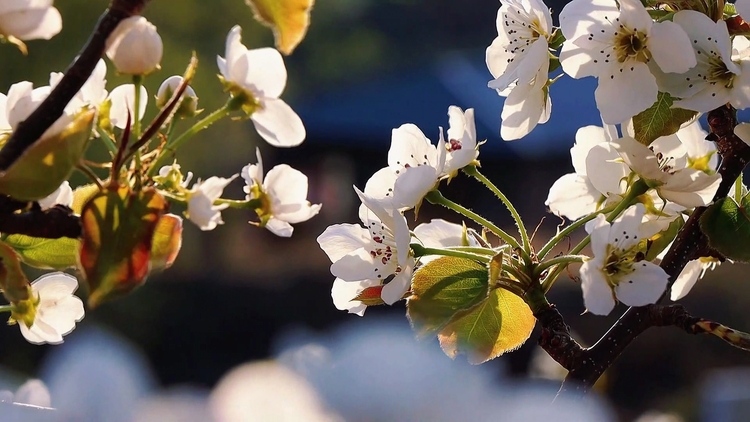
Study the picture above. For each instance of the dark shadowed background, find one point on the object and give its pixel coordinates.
(365, 67)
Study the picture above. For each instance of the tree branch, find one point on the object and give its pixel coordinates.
(31, 129)
(54, 223)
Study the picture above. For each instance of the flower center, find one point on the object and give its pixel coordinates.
(620, 262)
(454, 145)
(666, 163)
(630, 44)
(718, 73)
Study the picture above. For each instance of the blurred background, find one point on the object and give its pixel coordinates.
(366, 66)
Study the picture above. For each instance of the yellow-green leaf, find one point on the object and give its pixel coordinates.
(498, 324)
(442, 288)
(660, 119)
(167, 241)
(118, 228)
(48, 162)
(57, 254)
(289, 20)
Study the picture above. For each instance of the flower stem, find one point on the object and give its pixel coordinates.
(6, 308)
(738, 189)
(137, 81)
(170, 148)
(435, 197)
(569, 229)
(250, 204)
(564, 260)
(420, 250)
(474, 172)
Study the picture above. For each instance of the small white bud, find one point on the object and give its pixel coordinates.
(188, 106)
(135, 47)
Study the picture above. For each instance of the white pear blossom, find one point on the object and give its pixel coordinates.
(201, 209)
(123, 103)
(689, 275)
(414, 167)
(283, 194)
(92, 93)
(260, 73)
(62, 196)
(439, 233)
(376, 251)
(617, 46)
(519, 61)
(57, 311)
(668, 173)
(29, 19)
(462, 140)
(135, 46)
(23, 99)
(598, 175)
(617, 270)
(720, 76)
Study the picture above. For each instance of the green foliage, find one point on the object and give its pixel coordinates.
(442, 288)
(49, 161)
(727, 225)
(450, 297)
(659, 120)
(500, 323)
(57, 254)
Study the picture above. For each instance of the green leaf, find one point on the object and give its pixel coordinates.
(57, 254)
(118, 228)
(727, 226)
(167, 241)
(442, 288)
(660, 119)
(289, 20)
(49, 161)
(498, 324)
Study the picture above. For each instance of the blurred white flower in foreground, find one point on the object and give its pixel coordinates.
(267, 391)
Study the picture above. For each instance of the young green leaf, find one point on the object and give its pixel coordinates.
(49, 161)
(498, 324)
(442, 288)
(659, 120)
(57, 254)
(727, 226)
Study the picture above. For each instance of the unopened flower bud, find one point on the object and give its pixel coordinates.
(188, 106)
(135, 47)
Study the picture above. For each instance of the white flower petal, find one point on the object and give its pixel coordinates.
(671, 47)
(572, 196)
(624, 91)
(643, 286)
(597, 296)
(686, 280)
(278, 124)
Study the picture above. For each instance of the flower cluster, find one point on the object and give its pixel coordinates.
(376, 257)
